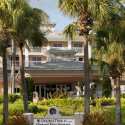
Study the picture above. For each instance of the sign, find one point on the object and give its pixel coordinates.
(54, 121)
(54, 118)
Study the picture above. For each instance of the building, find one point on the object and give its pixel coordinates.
(56, 66)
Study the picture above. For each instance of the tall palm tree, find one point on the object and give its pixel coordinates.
(28, 33)
(8, 18)
(113, 57)
(110, 49)
(86, 12)
(12, 75)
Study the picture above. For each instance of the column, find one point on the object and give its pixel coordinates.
(90, 50)
(69, 43)
(26, 57)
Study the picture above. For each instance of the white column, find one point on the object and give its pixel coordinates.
(90, 51)
(69, 43)
(26, 57)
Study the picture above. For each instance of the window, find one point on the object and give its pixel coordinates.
(57, 45)
(77, 44)
(80, 59)
(36, 60)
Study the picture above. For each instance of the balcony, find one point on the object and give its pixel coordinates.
(45, 49)
(78, 49)
(35, 63)
(38, 50)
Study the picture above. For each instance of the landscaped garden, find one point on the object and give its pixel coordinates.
(67, 106)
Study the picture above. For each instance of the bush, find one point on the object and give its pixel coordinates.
(18, 120)
(16, 107)
(103, 101)
(97, 118)
(14, 97)
(123, 95)
(33, 108)
(1, 99)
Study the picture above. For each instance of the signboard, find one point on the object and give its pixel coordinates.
(54, 118)
(54, 121)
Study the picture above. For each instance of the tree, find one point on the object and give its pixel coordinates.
(86, 12)
(110, 49)
(28, 33)
(8, 18)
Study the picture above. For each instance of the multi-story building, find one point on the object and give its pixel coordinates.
(57, 65)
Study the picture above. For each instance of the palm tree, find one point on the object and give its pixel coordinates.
(10, 12)
(4, 40)
(110, 49)
(8, 18)
(28, 33)
(70, 32)
(12, 75)
(113, 57)
(85, 12)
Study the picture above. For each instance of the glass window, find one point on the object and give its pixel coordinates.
(36, 59)
(80, 59)
(77, 44)
(57, 45)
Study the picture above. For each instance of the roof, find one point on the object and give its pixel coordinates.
(62, 65)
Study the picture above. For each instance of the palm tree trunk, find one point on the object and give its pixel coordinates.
(86, 78)
(118, 102)
(13, 67)
(5, 87)
(113, 86)
(24, 89)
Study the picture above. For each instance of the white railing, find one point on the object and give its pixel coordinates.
(78, 49)
(35, 63)
(39, 49)
(45, 49)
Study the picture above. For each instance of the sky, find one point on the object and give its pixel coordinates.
(51, 8)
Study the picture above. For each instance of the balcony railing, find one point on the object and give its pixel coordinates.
(38, 49)
(45, 49)
(35, 63)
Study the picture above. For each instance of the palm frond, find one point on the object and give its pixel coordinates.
(70, 31)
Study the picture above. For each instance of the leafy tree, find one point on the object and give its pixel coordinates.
(110, 46)
(8, 17)
(85, 12)
(28, 33)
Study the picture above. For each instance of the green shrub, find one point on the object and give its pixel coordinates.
(123, 95)
(33, 108)
(1, 119)
(16, 107)
(103, 101)
(97, 118)
(14, 97)
(1, 99)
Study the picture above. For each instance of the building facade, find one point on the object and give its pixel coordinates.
(57, 66)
